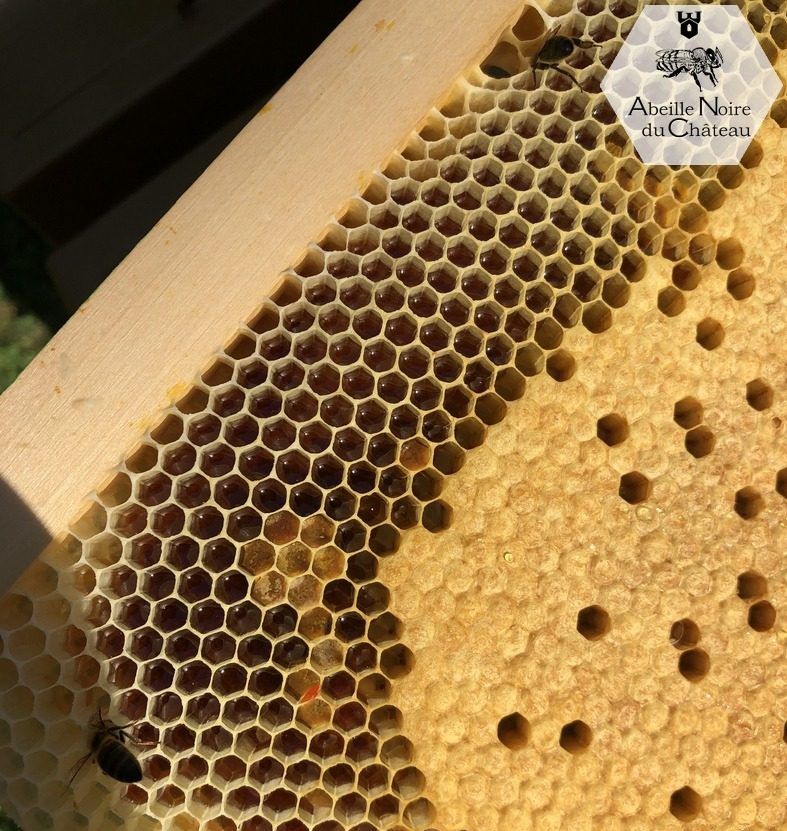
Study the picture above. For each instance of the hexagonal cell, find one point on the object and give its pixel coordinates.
(267, 772)
(142, 459)
(752, 585)
(759, 394)
(675, 245)
(688, 412)
(671, 301)
(700, 441)
(436, 427)
(145, 643)
(781, 482)
(561, 365)
(593, 622)
(126, 522)
(154, 489)
(685, 276)
(244, 618)
(280, 620)
(612, 429)
(530, 359)
(694, 664)
(195, 584)
(575, 737)
(436, 516)
(702, 248)
(362, 567)
(710, 333)
(385, 629)
(133, 613)
(685, 804)
(513, 731)
(304, 591)
(635, 487)
(597, 317)
(490, 409)
(729, 254)
(383, 540)
(568, 311)
(762, 616)
(748, 502)
(741, 283)
(684, 634)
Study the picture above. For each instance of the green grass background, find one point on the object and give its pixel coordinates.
(7, 824)
(30, 309)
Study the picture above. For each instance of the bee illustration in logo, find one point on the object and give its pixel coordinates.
(695, 62)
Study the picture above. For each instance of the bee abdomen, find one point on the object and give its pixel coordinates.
(672, 59)
(117, 761)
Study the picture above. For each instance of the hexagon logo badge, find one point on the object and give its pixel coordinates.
(691, 85)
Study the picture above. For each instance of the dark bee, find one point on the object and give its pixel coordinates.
(109, 749)
(557, 48)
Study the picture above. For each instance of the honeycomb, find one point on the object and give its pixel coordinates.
(320, 611)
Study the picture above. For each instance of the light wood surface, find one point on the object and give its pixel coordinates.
(180, 294)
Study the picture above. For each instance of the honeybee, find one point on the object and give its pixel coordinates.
(109, 749)
(555, 49)
(692, 61)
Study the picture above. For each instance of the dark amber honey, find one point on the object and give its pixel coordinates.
(403, 423)
(379, 356)
(371, 417)
(349, 445)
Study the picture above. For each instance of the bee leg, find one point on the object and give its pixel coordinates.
(133, 739)
(97, 720)
(568, 75)
(585, 44)
(130, 724)
(123, 729)
(138, 743)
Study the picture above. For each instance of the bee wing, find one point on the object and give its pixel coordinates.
(78, 765)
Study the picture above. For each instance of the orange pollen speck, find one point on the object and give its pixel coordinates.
(310, 693)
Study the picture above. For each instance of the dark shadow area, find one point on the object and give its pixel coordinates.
(22, 536)
(6, 823)
(110, 112)
(242, 70)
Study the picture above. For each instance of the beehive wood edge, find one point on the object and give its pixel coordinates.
(133, 347)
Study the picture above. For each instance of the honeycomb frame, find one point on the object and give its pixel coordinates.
(250, 530)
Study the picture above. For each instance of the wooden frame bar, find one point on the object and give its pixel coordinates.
(137, 342)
